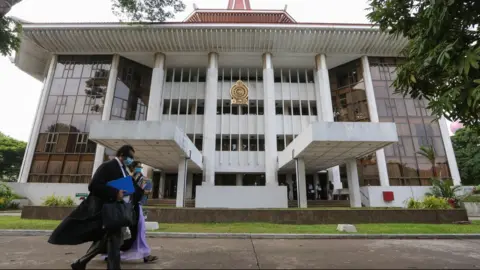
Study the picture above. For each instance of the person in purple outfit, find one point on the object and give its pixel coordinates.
(136, 247)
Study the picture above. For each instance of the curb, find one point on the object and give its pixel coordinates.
(267, 236)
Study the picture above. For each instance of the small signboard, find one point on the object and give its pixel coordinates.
(79, 195)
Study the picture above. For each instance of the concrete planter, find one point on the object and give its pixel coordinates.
(473, 208)
(197, 215)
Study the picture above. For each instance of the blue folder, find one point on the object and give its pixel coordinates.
(124, 183)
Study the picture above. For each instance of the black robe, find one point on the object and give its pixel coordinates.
(84, 224)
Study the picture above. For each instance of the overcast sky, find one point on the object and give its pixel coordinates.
(20, 92)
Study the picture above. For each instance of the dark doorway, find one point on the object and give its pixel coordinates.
(171, 186)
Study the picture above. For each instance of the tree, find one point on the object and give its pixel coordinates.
(466, 144)
(129, 10)
(443, 54)
(429, 153)
(11, 156)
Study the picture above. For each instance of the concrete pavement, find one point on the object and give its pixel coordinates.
(33, 252)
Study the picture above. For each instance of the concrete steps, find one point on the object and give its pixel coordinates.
(291, 204)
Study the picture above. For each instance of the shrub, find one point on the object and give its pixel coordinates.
(472, 198)
(429, 202)
(53, 200)
(6, 191)
(6, 197)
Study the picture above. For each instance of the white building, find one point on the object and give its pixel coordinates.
(229, 107)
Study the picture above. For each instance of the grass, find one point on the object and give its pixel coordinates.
(8, 222)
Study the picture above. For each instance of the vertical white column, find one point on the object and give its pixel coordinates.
(210, 123)
(325, 107)
(42, 103)
(373, 113)
(353, 184)
(155, 100)
(451, 159)
(290, 186)
(270, 128)
(239, 179)
(189, 186)
(107, 107)
(181, 182)
(316, 182)
(161, 192)
(302, 184)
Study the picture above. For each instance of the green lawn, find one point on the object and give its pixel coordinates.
(7, 222)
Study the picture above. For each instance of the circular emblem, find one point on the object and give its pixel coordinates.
(239, 93)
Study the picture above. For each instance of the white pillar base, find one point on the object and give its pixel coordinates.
(239, 179)
(290, 186)
(382, 168)
(353, 184)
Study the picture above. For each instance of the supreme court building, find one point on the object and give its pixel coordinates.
(236, 108)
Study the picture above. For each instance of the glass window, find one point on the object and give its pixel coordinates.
(58, 85)
(71, 87)
(48, 123)
(79, 121)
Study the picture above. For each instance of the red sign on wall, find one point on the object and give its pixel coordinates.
(388, 196)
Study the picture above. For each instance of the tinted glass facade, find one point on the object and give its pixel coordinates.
(415, 127)
(63, 153)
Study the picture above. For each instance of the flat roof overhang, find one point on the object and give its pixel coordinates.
(158, 144)
(327, 144)
(39, 40)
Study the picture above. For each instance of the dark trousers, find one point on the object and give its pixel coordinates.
(111, 242)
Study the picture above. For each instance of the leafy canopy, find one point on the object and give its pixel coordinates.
(11, 156)
(443, 53)
(466, 144)
(127, 10)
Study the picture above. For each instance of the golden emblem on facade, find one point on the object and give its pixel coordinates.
(239, 93)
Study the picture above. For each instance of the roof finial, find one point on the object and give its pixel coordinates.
(239, 4)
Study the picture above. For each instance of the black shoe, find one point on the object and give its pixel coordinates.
(78, 266)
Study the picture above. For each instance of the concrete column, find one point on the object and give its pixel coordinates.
(316, 182)
(190, 186)
(107, 107)
(373, 113)
(239, 179)
(353, 184)
(325, 107)
(451, 159)
(161, 192)
(42, 103)
(155, 101)
(290, 186)
(270, 128)
(181, 182)
(209, 123)
(302, 184)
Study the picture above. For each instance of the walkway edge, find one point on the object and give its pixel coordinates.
(267, 236)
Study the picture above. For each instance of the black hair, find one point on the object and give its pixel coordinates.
(135, 163)
(125, 151)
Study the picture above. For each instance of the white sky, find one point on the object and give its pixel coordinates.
(20, 92)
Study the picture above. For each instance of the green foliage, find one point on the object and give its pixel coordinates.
(442, 56)
(429, 202)
(9, 31)
(6, 197)
(466, 144)
(147, 10)
(11, 156)
(472, 198)
(443, 189)
(53, 200)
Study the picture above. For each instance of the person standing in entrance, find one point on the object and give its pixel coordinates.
(84, 224)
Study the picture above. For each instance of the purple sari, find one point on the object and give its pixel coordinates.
(140, 248)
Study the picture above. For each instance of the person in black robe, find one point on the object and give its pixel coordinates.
(84, 224)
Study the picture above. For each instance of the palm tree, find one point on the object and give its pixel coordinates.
(429, 153)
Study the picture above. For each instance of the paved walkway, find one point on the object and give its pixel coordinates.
(35, 253)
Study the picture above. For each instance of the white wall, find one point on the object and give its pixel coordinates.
(240, 162)
(241, 197)
(36, 192)
(401, 194)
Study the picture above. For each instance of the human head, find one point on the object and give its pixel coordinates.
(126, 154)
(136, 166)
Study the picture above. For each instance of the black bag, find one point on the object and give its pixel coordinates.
(118, 214)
